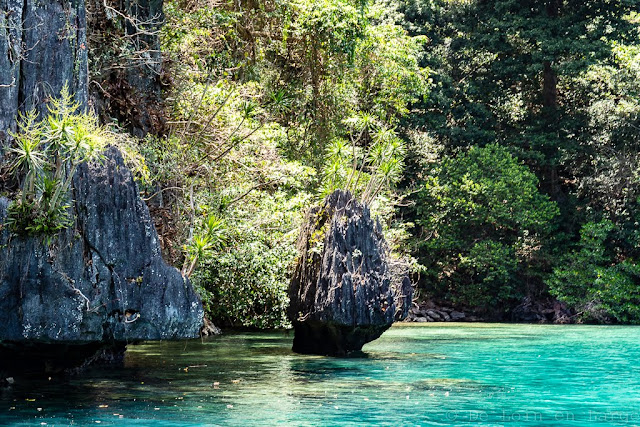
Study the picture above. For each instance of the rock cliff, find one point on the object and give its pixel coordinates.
(43, 46)
(102, 280)
(343, 292)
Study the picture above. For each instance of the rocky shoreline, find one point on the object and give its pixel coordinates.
(528, 311)
(429, 312)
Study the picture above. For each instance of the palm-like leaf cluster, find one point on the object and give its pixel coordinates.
(47, 153)
(213, 237)
(372, 162)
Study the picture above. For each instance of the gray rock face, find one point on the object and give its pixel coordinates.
(457, 316)
(42, 48)
(102, 280)
(101, 283)
(343, 293)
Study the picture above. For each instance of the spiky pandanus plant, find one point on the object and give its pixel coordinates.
(48, 152)
(373, 162)
(213, 237)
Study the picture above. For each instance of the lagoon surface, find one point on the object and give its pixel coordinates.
(434, 374)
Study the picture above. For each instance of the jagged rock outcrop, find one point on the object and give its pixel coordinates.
(343, 293)
(102, 280)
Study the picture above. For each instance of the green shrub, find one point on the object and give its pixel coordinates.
(247, 285)
(484, 222)
(591, 280)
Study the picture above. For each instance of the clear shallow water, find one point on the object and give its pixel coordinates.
(437, 374)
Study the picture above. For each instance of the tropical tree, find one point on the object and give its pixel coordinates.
(483, 227)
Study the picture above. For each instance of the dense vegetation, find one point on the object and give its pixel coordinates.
(496, 141)
(47, 153)
(275, 105)
(554, 84)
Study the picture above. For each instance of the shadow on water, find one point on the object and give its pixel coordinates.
(408, 376)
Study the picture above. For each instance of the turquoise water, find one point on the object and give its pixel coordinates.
(437, 374)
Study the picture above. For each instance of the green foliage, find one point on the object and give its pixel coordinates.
(243, 224)
(617, 288)
(247, 286)
(276, 104)
(484, 222)
(492, 266)
(611, 95)
(29, 218)
(364, 172)
(333, 26)
(198, 39)
(213, 236)
(571, 282)
(47, 153)
(261, 93)
(244, 282)
(239, 202)
(329, 60)
(590, 279)
(527, 139)
(490, 61)
(556, 84)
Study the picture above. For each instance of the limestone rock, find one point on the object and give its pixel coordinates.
(457, 316)
(42, 48)
(102, 280)
(343, 292)
(435, 315)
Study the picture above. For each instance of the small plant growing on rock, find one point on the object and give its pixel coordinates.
(47, 153)
(373, 163)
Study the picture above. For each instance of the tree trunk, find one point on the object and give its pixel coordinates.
(550, 78)
(549, 86)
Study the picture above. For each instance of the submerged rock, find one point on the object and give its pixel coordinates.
(208, 329)
(102, 280)
(344, 292)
